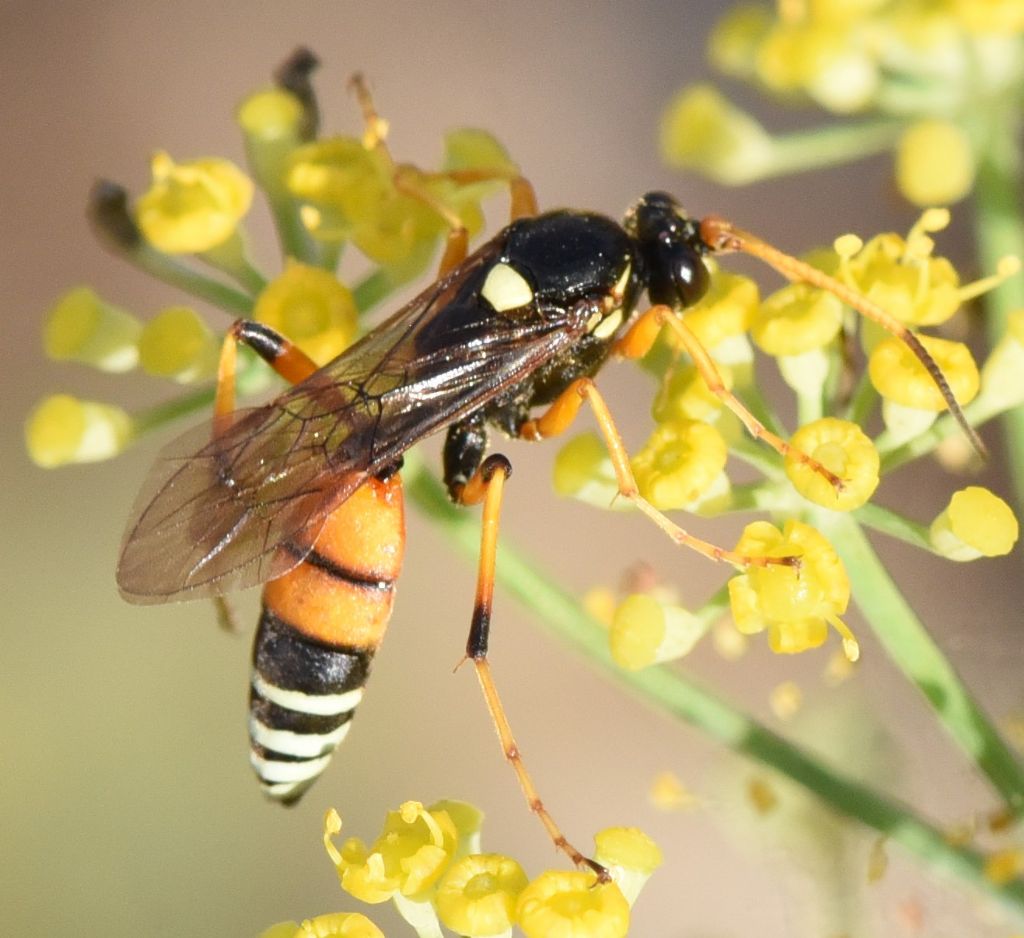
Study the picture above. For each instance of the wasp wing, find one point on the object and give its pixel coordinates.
(214, 512)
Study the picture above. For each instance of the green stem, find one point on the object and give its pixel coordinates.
(330, 254)
(862, 401)
(887, 521)
(184, 278)
(911, 648)
(295, 240)
(666, 690)
(999, 228)
(232, 258)
(372, 289)
(831, 145)
(153, 418)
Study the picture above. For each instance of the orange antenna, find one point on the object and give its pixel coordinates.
(722, 236)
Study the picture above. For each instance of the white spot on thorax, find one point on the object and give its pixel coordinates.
(505, 288)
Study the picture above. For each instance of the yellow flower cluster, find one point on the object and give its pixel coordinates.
(322, 192)
(351, 191)
(917, 65)
(427, 862)
(830, 463)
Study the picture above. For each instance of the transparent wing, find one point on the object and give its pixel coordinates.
(214, 512)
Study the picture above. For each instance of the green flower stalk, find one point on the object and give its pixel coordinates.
(805, 563)
(940, 86)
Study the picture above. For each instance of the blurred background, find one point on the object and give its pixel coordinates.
(128, 806)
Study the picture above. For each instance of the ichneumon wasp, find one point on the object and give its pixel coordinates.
(303, 494)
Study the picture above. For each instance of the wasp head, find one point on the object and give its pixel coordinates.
(671, 247)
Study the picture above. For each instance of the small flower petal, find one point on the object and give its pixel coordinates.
(976, 523)
(842, 448)
(898, 374)
(194, 206)
(645, 631)
(477, 895)
(83, 328)
(702, 130)
(178, 344)
(679, 463)
(934, 163)
(630, 856)
(561, 904)
(63, 429)
(311, 307)
(338, 925)
(796, 604)
(796, 319)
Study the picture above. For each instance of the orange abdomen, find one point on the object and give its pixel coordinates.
(320, 626)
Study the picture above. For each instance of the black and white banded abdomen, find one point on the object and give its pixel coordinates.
(319, 629)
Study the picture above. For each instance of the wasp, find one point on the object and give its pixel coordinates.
(303, 494)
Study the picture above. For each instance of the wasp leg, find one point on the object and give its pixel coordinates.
(487, 486)
(287, 359)
(722, 236)
(415, 183)
(640, 337)
(561, 413)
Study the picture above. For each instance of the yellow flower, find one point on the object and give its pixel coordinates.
(795, 604)
(477, 895)
(645, 631)
(796, 319)
(340, 181)
(312, 308)
(178, 344)
(63, 429)
(583, 470)
(733, 44)
(899, 376)
(333, 925)
(572, 905)
(407, 858)
(1002, 375)
(679, 463)
(630, 856)
(194, 206)
(668, 793)
(996, 17)
(842, 448)
(725, 312)
(686, 395)
(270, 115)
(934, 163)
(274, 122)
(702, 130)
(83, 328)
(976, 523)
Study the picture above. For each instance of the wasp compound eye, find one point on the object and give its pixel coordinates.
(677, 277)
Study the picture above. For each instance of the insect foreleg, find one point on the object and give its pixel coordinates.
(560, 415)
(640, 337)
(487, 486)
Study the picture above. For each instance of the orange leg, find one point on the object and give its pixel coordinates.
(487, 486)
(640, 337)
(723, 236)
(288, 360)
(560, 415)
(415, 183)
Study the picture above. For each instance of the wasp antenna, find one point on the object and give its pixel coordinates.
(376, 127)
(722, 236)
